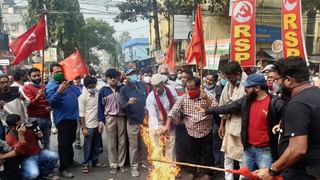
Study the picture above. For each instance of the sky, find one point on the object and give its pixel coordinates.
(97, 9)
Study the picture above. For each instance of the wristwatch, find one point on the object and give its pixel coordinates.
(272, 172)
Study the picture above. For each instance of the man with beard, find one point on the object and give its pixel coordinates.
(64, 103)
(159, 102)
(229, 130)
(39, 108)
(211, 81)
(299, 143)
(260, 112)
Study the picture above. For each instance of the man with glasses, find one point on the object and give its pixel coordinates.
(299, 142)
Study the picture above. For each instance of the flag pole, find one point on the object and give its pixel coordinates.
(45, 40)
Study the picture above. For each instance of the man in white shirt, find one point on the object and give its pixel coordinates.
(159, 102)
(88, 111)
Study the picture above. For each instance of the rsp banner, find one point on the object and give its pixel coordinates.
(292, 30)
(243, 32)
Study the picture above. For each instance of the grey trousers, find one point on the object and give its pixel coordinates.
(137, 148)
(116, 140)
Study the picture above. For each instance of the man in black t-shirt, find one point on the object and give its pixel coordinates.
(299, 143)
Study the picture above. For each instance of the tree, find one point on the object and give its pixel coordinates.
(99, 34)
(64, 22)
(124, 37)
(131, 10)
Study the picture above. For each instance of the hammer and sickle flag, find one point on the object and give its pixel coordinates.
(32, 40)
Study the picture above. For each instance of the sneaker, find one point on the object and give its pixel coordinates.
(123, 170)
(135, 173)
(66, 174)
(146, 165)
(113, 170)
(51, 177)
(54, 131)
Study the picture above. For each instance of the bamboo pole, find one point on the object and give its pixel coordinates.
(190, 165)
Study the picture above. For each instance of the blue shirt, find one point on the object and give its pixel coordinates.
(64, 105)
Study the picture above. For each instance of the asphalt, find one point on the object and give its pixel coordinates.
(103, 173)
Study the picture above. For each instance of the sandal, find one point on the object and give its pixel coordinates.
(85, 169)
(98, 164)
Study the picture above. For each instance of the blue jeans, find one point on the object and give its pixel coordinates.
(256, 157)
(91, 146)
(45, 127)
(40, 164)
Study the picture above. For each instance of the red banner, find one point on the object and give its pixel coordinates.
(292, 31)
(243, 29)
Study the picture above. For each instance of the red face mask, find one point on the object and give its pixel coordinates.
(194, 93)
(270, 85)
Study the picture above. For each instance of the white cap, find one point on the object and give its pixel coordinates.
(156, 79)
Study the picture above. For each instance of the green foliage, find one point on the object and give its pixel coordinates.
(66, 24)
(64, 21)
(99, 34)
(131, 10)
(310, 5)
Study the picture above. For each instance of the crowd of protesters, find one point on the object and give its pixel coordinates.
(267, 121)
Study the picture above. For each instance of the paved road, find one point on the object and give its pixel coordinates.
(102, 173)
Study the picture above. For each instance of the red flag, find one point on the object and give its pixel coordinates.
(196, 48)
(170, 56)
(244, 171)
(30, 41)
(74, 66)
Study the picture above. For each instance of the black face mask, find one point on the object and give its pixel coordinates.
(286, 92)
(37, 82)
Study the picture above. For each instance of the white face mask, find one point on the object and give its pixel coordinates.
(147, 79)
(92, 91)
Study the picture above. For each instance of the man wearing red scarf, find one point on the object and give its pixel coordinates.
(159, 102)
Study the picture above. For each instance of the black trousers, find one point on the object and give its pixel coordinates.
(12, 170)
(181, 144)
(312, 173)
(200, 152)
(66, 137)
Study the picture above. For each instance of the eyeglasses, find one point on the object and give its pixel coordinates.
(4, 82)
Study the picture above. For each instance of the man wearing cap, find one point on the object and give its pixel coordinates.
(159, 102)
(133, 101)
(260, 112)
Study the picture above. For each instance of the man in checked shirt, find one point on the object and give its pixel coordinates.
(198, 125)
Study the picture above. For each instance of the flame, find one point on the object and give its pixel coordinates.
(159, 171)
